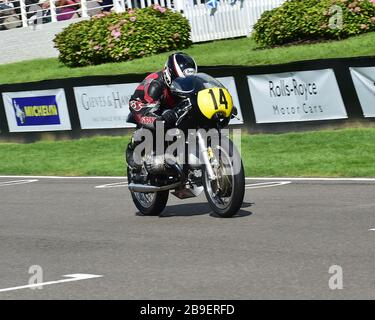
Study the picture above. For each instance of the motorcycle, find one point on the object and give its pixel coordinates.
(210, 164)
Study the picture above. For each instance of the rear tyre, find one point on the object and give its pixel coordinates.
(151, 203)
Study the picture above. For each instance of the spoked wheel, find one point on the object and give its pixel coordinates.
(225, 194)
(150, 203)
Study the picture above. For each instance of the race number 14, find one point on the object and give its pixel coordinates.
(222, 98)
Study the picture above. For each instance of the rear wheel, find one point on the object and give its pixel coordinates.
(150, 203)
(225, 194)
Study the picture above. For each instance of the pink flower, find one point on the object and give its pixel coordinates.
(116, 33)
(126, 50)
(373, 19)
(97, 48)
(176, 35)
(357, 9)
(373, 1)
(133, 19)
(159, 8)
(131, 11)
(364, 26)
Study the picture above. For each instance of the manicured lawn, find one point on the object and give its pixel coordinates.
(341, 153)
(226, 52)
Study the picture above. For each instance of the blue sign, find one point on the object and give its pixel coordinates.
(36, 111)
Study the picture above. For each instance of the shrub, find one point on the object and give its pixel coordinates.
(112, 37)
(307, 20)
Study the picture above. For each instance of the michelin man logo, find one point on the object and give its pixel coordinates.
(19, 113)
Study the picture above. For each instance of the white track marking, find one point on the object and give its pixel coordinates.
(247, 178)
(371, 229)
(16, 182)
(113, 185)
(313, 179)
(248, 186)
(266, 184)
(62, 177)
(73, 277)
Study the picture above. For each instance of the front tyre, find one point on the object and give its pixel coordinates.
(225, 194)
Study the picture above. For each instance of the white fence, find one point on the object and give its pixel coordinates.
(230, 18)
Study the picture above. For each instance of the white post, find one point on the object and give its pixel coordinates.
(84, 9)
(52, 8)
(23, 13)
(178, 5)
(119, 5)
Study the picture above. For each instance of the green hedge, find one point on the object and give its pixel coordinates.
(309, 20)
(112, 37)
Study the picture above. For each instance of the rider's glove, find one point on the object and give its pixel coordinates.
(170, 117)
(181, 107)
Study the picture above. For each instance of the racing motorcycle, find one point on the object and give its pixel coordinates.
(212, 165)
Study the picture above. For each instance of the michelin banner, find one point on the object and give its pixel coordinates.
(43, 110)
(107, 106)
(296, 96)
(364, 82)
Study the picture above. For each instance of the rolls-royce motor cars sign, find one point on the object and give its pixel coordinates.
(296, 96)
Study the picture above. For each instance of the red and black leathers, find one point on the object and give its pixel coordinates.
(150, 99)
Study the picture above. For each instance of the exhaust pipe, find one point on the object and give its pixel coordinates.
(144, 188)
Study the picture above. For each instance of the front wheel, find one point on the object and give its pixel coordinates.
(225, 193)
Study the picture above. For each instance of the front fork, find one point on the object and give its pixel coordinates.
(205, 151)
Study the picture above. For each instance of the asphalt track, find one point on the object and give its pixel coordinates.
(280, 246)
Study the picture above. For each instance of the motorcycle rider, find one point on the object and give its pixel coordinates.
(153, 100)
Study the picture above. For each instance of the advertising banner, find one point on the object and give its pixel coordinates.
(104, 106)
(230, 84)
(364, 83)
(296, 96)
(43, 110)
(107, 106)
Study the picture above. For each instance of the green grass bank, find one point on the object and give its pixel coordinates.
(240, 51)
(339, 153)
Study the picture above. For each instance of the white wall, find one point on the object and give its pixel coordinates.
(26, 43)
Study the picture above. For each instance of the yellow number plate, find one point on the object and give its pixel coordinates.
(215, 100)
